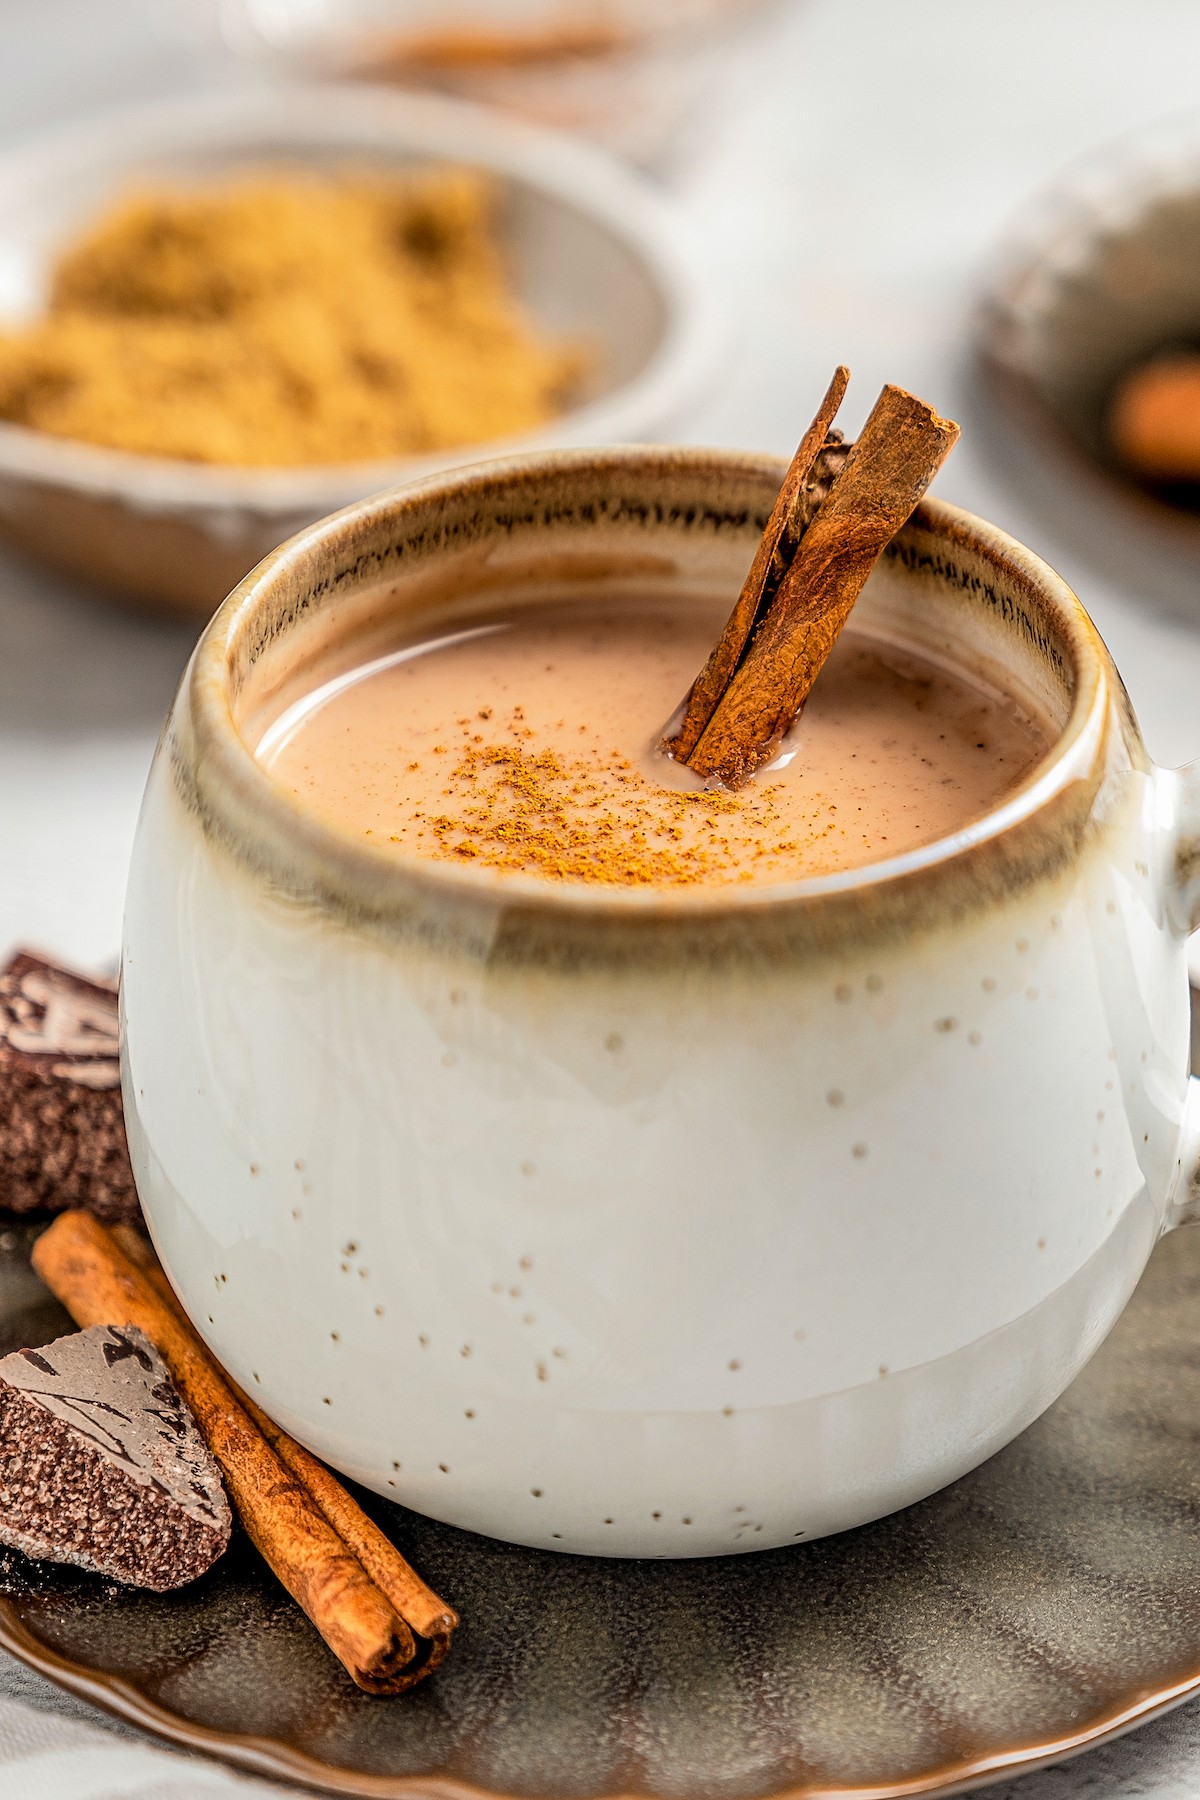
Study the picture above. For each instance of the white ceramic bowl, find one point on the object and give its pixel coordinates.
(595, 250)
(1098, 272)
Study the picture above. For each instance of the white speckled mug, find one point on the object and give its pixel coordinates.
(657, 1223)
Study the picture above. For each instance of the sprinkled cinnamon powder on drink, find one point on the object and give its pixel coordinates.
(593, 818)
(527, 745)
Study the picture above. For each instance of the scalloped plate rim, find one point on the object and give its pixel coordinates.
(255, 1755)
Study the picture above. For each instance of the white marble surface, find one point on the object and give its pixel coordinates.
(847, 184)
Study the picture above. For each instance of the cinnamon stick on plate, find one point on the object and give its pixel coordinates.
(83, 1264)
(837, 511)
(416, 1603)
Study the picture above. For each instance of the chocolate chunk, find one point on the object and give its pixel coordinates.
(62, 1130)
(101, 1463)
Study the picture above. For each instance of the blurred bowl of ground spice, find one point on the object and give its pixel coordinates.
(222, 319)
(1087, 341)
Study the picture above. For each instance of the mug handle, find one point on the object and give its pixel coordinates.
(1182, 790)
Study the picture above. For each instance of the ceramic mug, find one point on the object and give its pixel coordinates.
(656, 1223)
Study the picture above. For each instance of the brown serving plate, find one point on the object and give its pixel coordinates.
(1046, 1602)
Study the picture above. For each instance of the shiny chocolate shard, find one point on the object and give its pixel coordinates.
(62, 1129)
(101, 1463)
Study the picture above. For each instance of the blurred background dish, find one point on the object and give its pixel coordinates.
(595, 257)
(1086, 340)
(625, 72)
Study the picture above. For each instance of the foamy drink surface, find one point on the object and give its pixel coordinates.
(525, 743)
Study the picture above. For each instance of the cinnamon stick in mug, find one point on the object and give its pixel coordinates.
(84, 1267)
(771, 561)
(787, 620)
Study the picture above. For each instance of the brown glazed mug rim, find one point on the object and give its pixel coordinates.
(271, 834)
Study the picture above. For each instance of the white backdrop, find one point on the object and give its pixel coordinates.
(846, 185)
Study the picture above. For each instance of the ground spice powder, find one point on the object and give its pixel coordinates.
(288, 319)
(587, 818)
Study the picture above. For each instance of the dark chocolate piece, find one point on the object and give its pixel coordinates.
(101, 1463)
(62, 1130)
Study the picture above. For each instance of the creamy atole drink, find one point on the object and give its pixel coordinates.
(527, 743)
